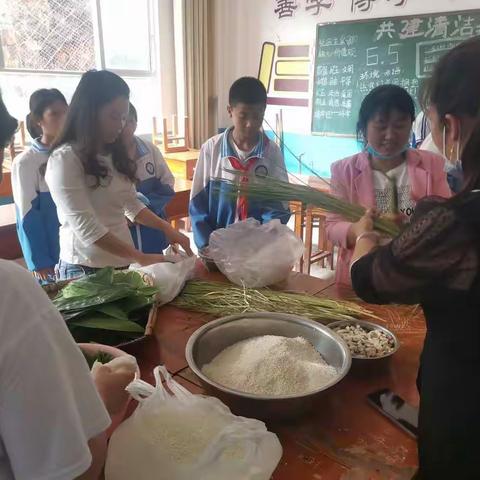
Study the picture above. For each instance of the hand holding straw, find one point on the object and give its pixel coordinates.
(272, 189)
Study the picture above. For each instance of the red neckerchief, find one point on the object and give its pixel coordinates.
(242, 203)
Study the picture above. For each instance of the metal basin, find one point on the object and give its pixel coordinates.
(211, 339)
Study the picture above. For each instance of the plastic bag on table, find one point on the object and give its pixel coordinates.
(169, 276)
(255, 255)
(182, 436)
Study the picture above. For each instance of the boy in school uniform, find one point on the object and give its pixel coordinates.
(154, 186)
(242, 148)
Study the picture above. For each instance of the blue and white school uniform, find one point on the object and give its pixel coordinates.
(211, 203)
(37, 221)
(420, 130)
(155, 188)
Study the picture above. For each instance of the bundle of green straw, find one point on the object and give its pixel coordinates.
(221, 299)
(272, 189)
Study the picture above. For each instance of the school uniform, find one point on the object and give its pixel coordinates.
(420, 130)
(213, 205)
(37, 221)
(155, 186)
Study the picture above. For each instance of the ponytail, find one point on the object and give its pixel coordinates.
(32, 127)
(40, 100)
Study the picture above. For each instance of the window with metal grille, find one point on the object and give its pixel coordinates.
(75, 35)
(49, 35)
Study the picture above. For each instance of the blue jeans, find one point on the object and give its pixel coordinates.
(68, 271)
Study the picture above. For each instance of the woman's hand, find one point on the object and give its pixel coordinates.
(148, 218)
(367, 239)
(44, 274)
(175, 237)
(145, 259)
(111, 379)
(365, 224)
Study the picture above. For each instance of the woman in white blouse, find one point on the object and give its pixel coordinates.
(92, 182)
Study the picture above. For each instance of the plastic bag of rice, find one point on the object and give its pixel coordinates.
(176, 435)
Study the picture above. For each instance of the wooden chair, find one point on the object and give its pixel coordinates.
(173, 144)
(171, 140)
(316, 218)
(306, 220)
(173, 135)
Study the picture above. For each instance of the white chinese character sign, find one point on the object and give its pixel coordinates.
(352, 58)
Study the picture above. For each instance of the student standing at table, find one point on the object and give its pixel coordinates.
(37, 221)
(92, 182)
(436, 262)
(387, 175)
(245, 149)
(155, 183)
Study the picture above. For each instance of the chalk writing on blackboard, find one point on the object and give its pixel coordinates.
(352, 58)
(437, 27)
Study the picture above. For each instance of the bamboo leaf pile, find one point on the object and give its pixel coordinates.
(105, 307)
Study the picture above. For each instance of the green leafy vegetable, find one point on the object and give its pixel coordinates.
(107, 301)
(108, 323)
(112, 310)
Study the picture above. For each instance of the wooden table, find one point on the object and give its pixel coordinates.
(343, 438)
(182, 164)
(177, 208)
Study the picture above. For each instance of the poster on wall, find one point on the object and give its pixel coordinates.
(284, 69)
(352, 58)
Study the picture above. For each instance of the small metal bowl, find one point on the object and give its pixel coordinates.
(211, 339)
(369, 326)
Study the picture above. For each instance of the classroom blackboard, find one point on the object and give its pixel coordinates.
(351, 58)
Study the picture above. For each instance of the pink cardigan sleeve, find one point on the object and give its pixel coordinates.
(336, 227)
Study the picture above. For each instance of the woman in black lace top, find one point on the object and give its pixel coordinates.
(436, 262)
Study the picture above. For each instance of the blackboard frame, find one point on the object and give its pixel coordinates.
(364, 20)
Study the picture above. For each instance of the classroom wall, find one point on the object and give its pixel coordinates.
(241, 28)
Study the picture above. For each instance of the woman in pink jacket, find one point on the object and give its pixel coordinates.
(387, 175)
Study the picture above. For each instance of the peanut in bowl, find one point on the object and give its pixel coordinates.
(366, 340)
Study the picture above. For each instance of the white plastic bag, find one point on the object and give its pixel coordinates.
(255, 255)
(182, 436)
(169, 277)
